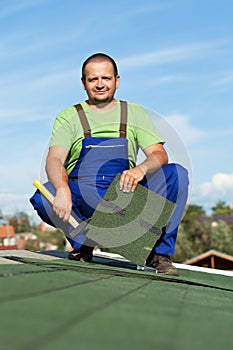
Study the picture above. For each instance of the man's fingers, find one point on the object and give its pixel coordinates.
(62, 205)
(59, 212)
(62, 213)
(134, 186)
(124, 180)
(121, 181)
(128, 182)
(67, 215)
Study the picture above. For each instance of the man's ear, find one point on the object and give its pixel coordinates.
(83, 83)
(117, 81)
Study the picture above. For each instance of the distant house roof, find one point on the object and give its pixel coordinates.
(7, 231)
(212, 259)
(228, 219)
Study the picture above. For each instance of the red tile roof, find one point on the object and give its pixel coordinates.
(7, 231)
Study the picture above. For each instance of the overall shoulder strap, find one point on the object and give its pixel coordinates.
(83, 120)
(86, 126)
(123, 124)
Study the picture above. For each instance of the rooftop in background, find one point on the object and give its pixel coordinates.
(213, 259)
(7, 231)
(228, 219)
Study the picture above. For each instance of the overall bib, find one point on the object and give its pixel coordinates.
(100, 160)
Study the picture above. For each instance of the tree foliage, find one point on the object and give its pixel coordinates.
(197, 234)
(20, 222)
(221, 208)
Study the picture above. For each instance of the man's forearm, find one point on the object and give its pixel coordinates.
(58, 176)
(153, 162)
(155, 159)
(57, 173)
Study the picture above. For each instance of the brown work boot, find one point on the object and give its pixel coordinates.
(162, 264)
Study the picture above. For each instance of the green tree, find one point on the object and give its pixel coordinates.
(221, 208)
(51, 237)
(198, 236)
(221, 238)
(193, 213)
(2, 221)
(21, 222)
(184, 249)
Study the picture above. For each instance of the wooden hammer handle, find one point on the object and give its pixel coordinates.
(49, 196)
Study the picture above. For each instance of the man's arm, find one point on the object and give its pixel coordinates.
(58, 176)
(156, 157)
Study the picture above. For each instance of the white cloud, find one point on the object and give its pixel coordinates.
(21, 115)
(16, 180)
(47, 86)
(188, 133)
(11, 203)
(175, 141)
(144, 9)
(11, 7)
(173, 54)
(169, 79)
(220, 187)
(21, 44)
(226, 80)
(33, 82)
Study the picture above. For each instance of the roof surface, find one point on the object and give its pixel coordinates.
(48, 303)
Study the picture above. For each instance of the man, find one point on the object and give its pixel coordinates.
(91, 143)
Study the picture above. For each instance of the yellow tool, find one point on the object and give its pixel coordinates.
(48, 195)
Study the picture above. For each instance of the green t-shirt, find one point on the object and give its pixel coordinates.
(68, 132)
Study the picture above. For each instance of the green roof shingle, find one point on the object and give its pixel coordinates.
(56, 304)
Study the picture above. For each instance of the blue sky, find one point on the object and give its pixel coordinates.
(174, 57)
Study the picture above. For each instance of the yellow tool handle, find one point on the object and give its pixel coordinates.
(48, 195)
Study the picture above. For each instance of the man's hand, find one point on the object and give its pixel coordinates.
(62, 203)
(156, 156)
(130, 178)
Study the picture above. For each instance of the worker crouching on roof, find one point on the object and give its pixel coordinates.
(95, 140)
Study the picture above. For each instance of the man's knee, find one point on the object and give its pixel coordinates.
(41, 205)
(176, 180)
(176, 172)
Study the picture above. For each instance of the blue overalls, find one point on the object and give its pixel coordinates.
(99, 161)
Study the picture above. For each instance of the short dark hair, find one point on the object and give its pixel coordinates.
(99, 57)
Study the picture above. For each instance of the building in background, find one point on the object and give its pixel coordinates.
(7, 237)
(212, 259)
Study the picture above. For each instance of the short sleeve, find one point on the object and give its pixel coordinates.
(146, 133)
(64, 129)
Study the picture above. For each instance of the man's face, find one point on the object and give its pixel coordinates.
(100, 82)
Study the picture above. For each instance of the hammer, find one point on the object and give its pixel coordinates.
(78, 226)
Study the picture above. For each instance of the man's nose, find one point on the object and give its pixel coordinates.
(99, 84)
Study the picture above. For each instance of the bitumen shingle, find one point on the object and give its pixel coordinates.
(48, 303)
